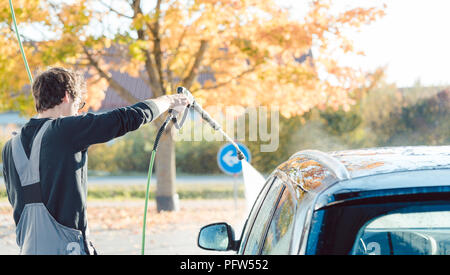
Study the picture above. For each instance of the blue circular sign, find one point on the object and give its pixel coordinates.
(227, 158)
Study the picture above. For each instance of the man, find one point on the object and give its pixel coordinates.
(45, 165)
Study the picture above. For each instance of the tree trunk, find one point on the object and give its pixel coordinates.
(166, 196)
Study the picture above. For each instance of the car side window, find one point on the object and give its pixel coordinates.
(263, 217)
(279, 235)
(254, 212)
(416, 233)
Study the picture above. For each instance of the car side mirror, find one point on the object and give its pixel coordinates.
(217, 236)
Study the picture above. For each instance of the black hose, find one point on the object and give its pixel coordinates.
(162, 128)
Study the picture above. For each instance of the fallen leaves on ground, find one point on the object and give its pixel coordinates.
(126, 215)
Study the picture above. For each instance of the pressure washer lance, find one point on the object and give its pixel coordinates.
(172, 116)
(206, 117)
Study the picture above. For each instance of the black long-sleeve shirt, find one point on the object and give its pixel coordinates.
(63, 158)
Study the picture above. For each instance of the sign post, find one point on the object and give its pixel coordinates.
(230, 164)
(235, 190)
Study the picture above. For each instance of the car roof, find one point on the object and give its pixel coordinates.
(366, 162)
(351, 164)
(416, 182)
(346, 170)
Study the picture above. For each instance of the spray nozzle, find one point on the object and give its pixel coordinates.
(240, 155)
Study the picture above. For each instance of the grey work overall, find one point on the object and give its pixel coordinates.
(37, 231)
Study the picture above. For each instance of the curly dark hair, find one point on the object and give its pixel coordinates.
(50, 87)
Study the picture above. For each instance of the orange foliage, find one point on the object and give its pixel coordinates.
(250, 47)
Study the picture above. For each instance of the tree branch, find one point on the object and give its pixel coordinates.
(115, 11)
(177, 49)
(157, 52)
(170, 79)
(152, 72)
(119, 89)
(230, 80)
(189, 79)
(172, 59)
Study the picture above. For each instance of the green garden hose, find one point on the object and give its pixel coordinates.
(20, 42)
(149, 175)
(170, 117)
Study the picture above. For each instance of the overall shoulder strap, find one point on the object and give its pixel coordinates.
(28, 169)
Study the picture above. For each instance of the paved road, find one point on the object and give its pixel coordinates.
(116, 226)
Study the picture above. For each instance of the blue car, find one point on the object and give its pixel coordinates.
(379, 201)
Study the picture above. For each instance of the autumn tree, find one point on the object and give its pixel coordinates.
(252, 50)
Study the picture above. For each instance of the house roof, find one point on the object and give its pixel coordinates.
(137, 87)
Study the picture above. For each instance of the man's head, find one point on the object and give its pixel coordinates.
(60, 89)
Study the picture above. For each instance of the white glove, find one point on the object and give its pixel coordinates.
(179, 108)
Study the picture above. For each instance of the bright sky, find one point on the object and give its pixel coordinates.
(412, 40)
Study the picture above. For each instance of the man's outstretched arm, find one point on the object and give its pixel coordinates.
(82, 131)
